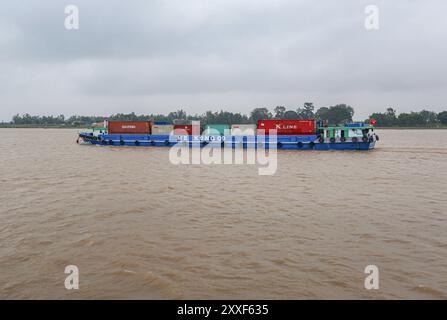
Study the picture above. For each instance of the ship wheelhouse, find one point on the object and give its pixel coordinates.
(348, 133)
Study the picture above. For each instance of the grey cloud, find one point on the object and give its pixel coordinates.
(160, 55)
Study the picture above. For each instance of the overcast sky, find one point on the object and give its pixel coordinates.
(154, 56)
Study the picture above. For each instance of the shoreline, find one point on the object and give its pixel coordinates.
(10, 126)
(40, 127)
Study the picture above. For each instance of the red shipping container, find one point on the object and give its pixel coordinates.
(287, 127)
(129, 127)
(188, 129)
(183, 129)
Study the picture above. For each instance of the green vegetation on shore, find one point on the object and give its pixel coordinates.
(336, 114)
(421, 119)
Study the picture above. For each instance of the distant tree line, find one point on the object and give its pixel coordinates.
(38, 120)
(423, 118)
(337, 114)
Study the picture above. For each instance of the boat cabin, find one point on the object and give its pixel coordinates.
(347, 133)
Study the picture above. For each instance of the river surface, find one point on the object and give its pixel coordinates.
(138, 226)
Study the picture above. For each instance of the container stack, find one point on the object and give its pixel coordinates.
(264, 127)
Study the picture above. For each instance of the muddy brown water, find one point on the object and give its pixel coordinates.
(140, 227)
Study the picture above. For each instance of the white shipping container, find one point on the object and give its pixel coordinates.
(162, 129)
(243, 129)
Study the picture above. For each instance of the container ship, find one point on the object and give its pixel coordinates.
(282, 134)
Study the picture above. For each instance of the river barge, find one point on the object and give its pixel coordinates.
(354, 136)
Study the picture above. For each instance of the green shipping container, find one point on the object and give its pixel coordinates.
(216, 129)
